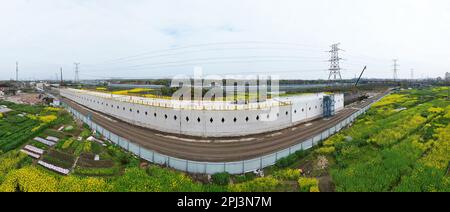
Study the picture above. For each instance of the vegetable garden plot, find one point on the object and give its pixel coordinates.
(59, 159)
(15, 132)
(87, 161)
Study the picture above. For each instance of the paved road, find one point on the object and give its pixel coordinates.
(218, 150)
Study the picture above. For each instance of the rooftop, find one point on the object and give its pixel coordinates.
(201, 105)
(4, 109)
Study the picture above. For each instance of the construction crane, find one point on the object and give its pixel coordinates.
(328, 101)
(354, 93)
(357, 81)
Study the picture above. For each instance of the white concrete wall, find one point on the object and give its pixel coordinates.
(339, 101)
(207, 123)
(307, 108)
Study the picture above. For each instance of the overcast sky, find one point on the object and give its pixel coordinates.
(156, 38)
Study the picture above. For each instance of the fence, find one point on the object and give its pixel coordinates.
(238, 167)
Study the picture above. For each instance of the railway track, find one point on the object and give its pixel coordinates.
(218, 150)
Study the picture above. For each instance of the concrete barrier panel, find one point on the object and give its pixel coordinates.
(307, 144)
(283, 153)
(268, 160)
(212, 168)
(325, 135)
(296, 148)
(135, 149)
(234, 167)
(147, 155)
(123, 143)
(316, 139)
(114, 138)
(196, 167)
(332, 130)
(178, 164)
(160, 159)
(252, 165)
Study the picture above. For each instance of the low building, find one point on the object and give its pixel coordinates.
(4, 109)
(7, 90)
(55, 103)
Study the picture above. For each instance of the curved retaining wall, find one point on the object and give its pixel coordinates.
(204, 122)
(212, 168)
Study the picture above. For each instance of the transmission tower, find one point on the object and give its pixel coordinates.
(396, 65)
(412, 74)
(77, 74)
(335, 69)
(61, 75)
(17, 71)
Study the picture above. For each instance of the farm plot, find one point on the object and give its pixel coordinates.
(59, 159)
(405, 150)
(88, 166)
(26, 122)
(15, 131)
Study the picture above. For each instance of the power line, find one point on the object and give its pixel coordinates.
(271, 72)
(335, 69)
(365, 57)
(244, 45)
(209, 44)
(247, 72)
(195, 64)
(235, 58)
(191, 52)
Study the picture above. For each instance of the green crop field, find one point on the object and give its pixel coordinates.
(401, 144)
(23, 123)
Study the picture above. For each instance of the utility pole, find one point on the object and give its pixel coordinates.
(17, 71)
(395, 69)
(335, 69)
(77, 76)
